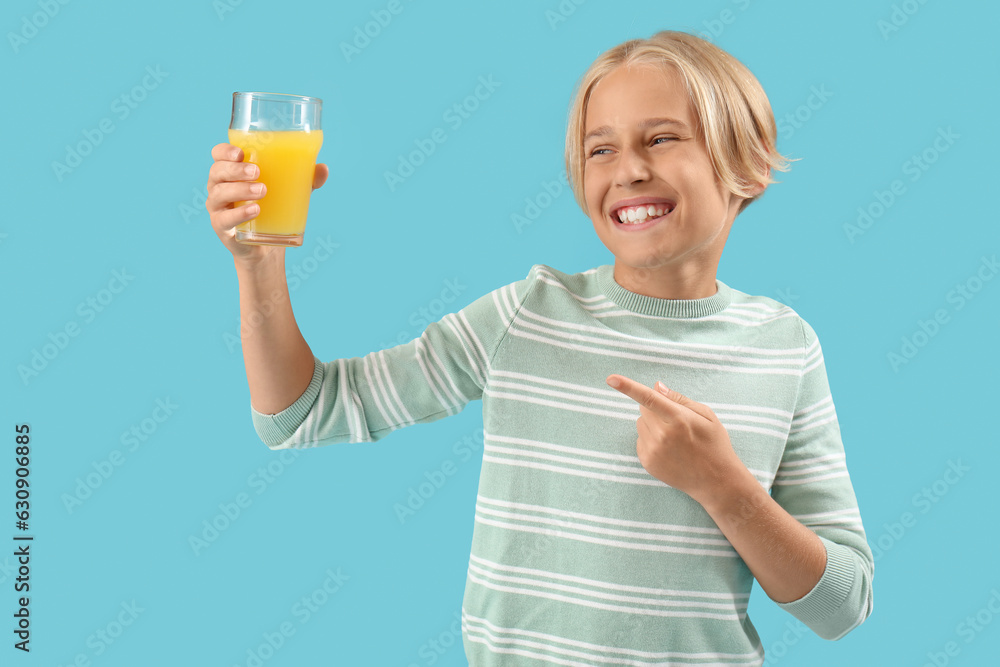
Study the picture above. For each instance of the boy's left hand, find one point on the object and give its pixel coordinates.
(681, 442)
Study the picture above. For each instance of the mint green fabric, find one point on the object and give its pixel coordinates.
(579, 556)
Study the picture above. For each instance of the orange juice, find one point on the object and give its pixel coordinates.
(287, 160)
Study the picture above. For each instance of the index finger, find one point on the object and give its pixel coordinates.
(227, 152)
(641, 394)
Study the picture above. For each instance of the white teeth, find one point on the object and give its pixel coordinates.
(640, 214)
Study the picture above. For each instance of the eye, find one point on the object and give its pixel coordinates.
(668, 138)
(598, 151)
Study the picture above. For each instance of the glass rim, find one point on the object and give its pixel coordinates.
(279, 97)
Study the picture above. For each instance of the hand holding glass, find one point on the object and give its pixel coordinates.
(281, 134)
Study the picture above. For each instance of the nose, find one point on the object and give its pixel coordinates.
(633, 167)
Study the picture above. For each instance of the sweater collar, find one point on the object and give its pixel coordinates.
(647, 305)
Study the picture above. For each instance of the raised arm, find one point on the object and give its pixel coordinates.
(279, 363)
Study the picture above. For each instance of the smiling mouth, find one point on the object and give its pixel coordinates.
(637, 215)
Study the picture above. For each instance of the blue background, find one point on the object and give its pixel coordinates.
(133, 205)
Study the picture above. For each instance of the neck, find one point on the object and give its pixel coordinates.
(666, 282)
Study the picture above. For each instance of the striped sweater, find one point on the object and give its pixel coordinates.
(579, 556)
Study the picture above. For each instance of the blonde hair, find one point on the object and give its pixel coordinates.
(734, 115)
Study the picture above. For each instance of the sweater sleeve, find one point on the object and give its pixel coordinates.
(813, 485)
(362, 399)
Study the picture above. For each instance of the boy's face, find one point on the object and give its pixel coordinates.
(648, 152)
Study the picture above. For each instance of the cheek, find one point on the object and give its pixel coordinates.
(591, 191)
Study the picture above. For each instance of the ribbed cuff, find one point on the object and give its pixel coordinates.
(823, 604)
(277, 428)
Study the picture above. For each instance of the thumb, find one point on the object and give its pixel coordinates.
(319, 176)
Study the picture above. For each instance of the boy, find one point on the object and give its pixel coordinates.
(620, 525)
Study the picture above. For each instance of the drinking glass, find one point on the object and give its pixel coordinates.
(282, 135)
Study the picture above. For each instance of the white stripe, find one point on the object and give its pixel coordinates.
(608, 397)
(630, 415)
(807, 422)
(810, 461)
(848, 513)
(809, 480)
(510, 298)
(602, 605)
(431, 381)
(591, 517)
(637, 468)
(488, 628)
(804, 412)
(345, 397)
(461, 399)
(813, 366)
(816, 410)
(785, 415)
(854, 524)
(312, 431)
(734, 598)
(376, 387)
(646, 479)
(576, 451)
(538, 379)
(364, 435)
(477, 343)
(501, 304)
(809, 427)
(528, 654)
(614, 338)
(572, 525)
(619, 354)
(763, 476)
(810, 469)
(616, 399)
(468, 349)
(723, 416)
(664, 349)
(548, 532)
(749, 322)
(385, 381)
(582, 593)
(566, 406)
